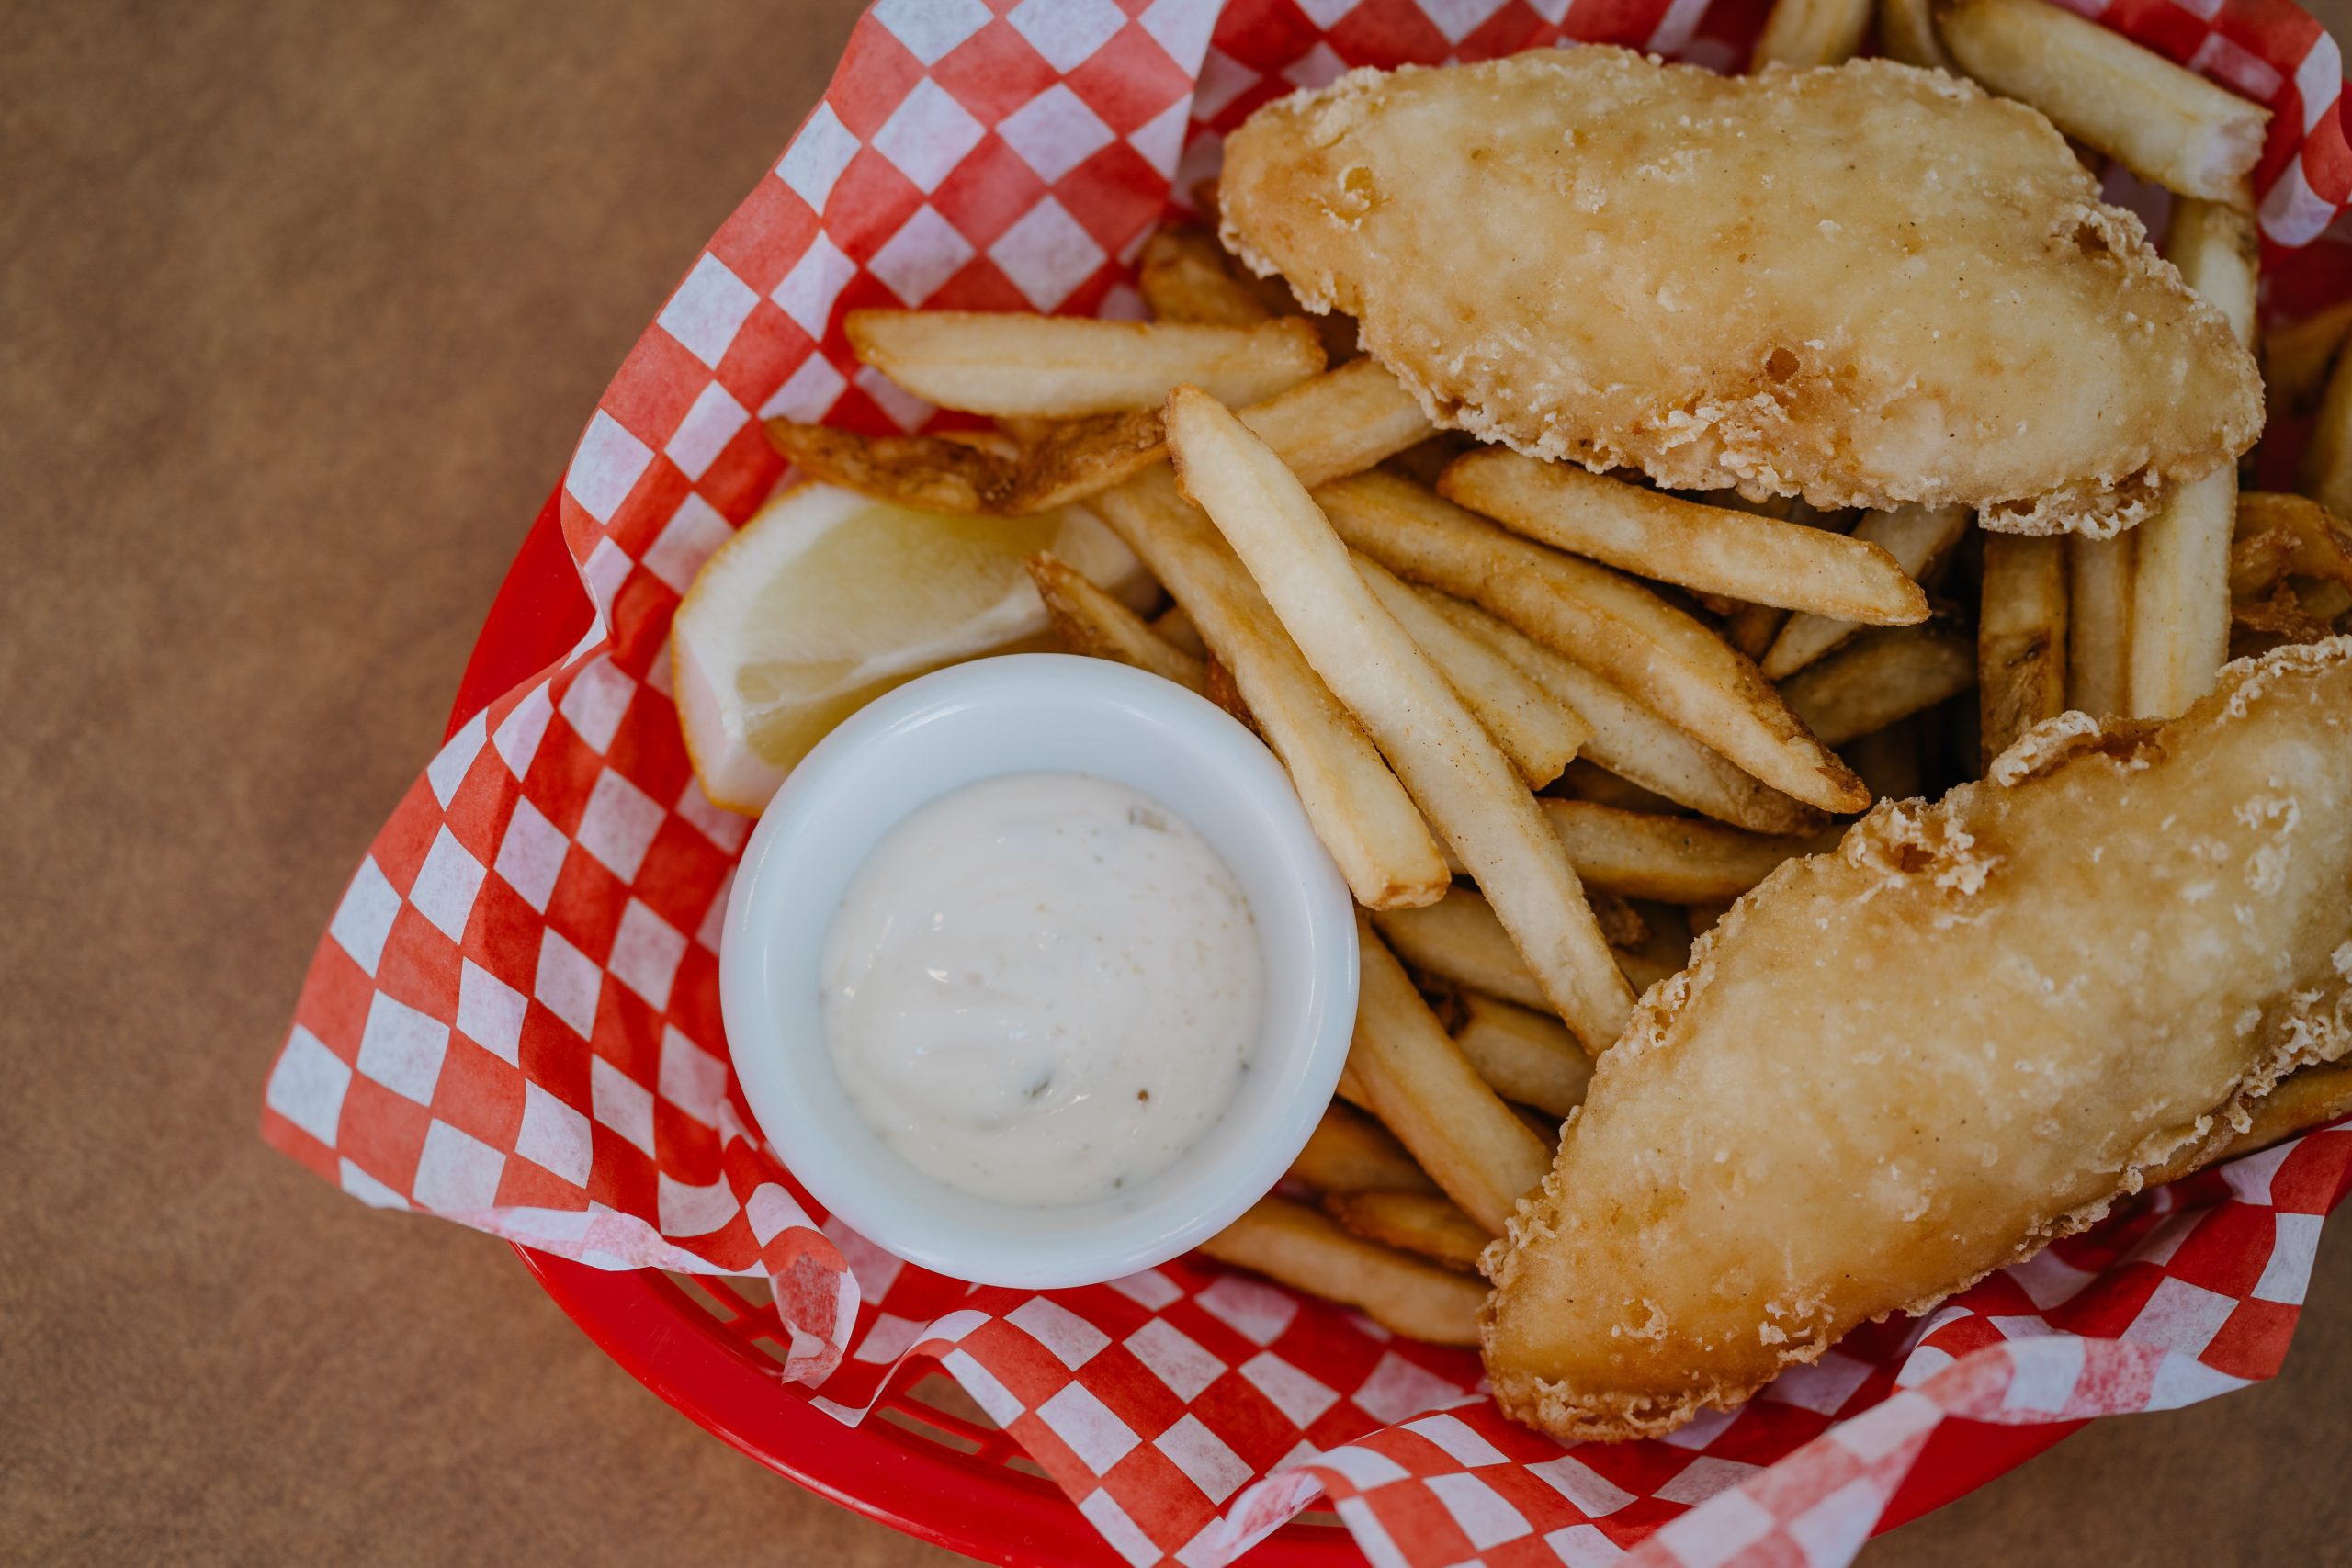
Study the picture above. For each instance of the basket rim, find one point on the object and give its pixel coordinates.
(541, 611)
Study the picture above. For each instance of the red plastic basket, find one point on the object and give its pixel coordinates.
(927, 1461)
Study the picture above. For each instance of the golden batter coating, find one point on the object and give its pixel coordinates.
(1898, 1067)
(1864, 285)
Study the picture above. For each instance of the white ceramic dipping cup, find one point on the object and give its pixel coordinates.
(1017, 713)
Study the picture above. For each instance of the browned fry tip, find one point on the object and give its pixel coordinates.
(928, 471)
(1220, 685)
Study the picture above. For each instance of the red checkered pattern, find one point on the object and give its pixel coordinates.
(2277, 53)
(2271, 51)
(514, 1022)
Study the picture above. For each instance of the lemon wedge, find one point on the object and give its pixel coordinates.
(827, 599)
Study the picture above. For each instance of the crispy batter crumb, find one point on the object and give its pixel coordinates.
(1967, 1031)
(1920, 299)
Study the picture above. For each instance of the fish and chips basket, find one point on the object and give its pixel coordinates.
(512, 1020)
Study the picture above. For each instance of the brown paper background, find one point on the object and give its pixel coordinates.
(300, 310)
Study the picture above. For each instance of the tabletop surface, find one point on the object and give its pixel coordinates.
(303, 307)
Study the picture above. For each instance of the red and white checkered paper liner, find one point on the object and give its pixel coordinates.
(514, 1019)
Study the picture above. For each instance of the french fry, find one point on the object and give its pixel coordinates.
(2295, 357)
(1675, 859)
(1177, 627)
(2180, 578)
(1184, 278)
(1350, 1152)
(2216, 249)
(1005, 441)
(2321, 545)
(1620, 921)
(926, 471)
(1065, 461)
(2098, 634)
(1587, 780)
(1340, 423)
(2259, 561)
(1291, 1243)
(2308, 1097)
(1021, 433)
(1669, 860)
(1326, 427)
(2020, 639)
(1218, 685)
(1781, 508)
(1668, 943)
(2290, 572)
(2167, 125)
(1458, 939)
(1535, 731)
(2264, 624)
(1752, 629)
(2326, 600)
(1426, 1226)
(1641, 971)
(1880, 677)
(1074, 458)
(1705, 918)
(1918, 537)
(1523, 1054)
(1415, 1078)
(1713, 549)
(1358, 810)
(1545, 1128)
(1011, 365)
(1639, 749)
(1888, 760)
(1623, 631)
(1424, 460)
(1091, 621)
(1337, 330)
(1907, 33)
(1810, 32)
(2326, 471)
(1446, 760)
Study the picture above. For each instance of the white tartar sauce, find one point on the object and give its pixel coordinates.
(1042, 988)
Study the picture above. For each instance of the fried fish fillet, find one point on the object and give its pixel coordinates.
(1865, 285)
(1895, 1067)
